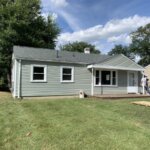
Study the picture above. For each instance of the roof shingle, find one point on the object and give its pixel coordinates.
(28, 53)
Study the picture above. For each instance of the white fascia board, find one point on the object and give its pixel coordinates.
(90, 66)
(112, 67)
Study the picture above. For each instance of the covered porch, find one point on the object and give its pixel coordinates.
(117, 78)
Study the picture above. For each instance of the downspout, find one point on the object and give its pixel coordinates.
(19, 78)
(15, 79)
(92, 84)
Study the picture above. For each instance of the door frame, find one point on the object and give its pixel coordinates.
(135, 88)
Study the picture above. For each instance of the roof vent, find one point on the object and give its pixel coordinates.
(87, 50)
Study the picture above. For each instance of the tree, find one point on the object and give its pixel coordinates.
(141, 44)
(21, 23)
(79, 47)
(120, 49)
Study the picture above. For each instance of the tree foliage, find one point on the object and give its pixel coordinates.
(141, 44)
(79, 47)
(21, 23)
(120, 49)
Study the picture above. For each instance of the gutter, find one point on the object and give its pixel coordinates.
(112, 67)
(15, 78)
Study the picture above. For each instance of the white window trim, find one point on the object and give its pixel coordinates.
(100, 73)
(45, 73)
(61, 74)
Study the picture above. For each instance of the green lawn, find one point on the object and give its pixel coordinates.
(73, 124)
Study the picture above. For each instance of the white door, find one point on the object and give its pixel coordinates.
(132, 82)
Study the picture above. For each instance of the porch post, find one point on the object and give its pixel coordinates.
(92, 82)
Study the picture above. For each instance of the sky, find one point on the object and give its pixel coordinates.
(103, 23)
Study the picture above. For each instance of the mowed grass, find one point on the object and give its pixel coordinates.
(73, 124)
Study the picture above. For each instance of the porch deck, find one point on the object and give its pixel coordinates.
(121, 96)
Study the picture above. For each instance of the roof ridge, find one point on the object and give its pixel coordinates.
(59, 50)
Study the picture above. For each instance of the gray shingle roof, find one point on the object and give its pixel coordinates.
(28, 53)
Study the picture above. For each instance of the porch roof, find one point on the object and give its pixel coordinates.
(97, 66)
(119, 62)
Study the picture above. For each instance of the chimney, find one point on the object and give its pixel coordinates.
(87, 50)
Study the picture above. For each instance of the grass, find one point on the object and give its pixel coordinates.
(73, 124)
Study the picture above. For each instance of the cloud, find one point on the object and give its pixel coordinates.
(54, 15)
(59, 3)
(113, 31)
(60, 7)
(122, 38)
(72, 21)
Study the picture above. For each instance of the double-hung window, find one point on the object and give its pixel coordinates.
(105, 77)
(38, 73)
(67, 74)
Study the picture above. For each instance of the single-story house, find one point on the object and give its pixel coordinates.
(45, 72)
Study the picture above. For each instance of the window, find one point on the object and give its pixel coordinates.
(97, 78)
(38, 73)
(67, 74)
(105, 77)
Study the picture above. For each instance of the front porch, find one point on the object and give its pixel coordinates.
(121, 96)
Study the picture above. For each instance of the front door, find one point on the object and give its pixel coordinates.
(132, 82)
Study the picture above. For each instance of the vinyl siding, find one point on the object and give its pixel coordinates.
(147, 73)
(140, 89)
(53, 86)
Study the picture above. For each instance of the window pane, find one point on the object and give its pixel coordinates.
(97, 73)
(38, 69)
(97, 77)
(114, 78)
(38, 76)
(114, 74)
(114, 81)
(66, 70)
(66, 74)
(97, 81)
(106, 78)
(66, 77)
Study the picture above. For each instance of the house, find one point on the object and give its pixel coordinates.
(45, 72)
(147, 73)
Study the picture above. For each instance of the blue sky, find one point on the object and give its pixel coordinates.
(103, 23)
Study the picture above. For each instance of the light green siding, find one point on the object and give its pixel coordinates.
(53, 86)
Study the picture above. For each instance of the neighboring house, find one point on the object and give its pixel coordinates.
(147, 73)
(45, 72)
